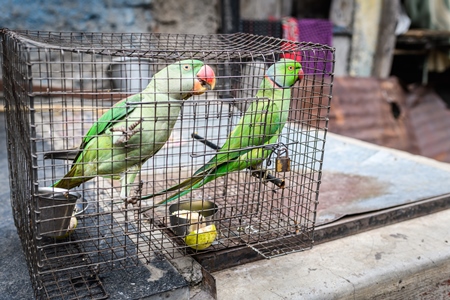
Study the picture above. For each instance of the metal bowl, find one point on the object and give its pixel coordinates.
(184, 223)
(55, 207)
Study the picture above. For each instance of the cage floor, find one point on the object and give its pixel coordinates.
(247, 214)
(111, 236)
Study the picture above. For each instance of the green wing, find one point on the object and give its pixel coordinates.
(257, 126)
(119, 111)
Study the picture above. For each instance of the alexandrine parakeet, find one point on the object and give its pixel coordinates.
(137, 127)
(261, 125)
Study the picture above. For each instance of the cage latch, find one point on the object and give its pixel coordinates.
(283, 161)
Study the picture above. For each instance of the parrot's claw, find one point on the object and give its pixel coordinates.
(127, 133)
(266, 177)
(261, 174)
(132, 200)
(135, 197)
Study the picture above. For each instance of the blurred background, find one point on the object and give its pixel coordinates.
(392, 56)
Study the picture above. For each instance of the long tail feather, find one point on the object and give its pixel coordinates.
(188, 182)
(174, 197)
(70, 181)
(196, 182)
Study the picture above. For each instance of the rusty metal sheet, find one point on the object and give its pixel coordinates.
(380, 111)
(429, 122)
(372, 110)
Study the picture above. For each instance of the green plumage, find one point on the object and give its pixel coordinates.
(261, 125)
(134, 129)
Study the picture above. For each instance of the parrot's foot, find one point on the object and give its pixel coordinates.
(135, 194)
(261, 174)
(132, 200)
(267, 177)
(127, 133)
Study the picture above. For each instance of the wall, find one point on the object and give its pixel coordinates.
(169, 16)
(190, 17)
(119, 16)
(264, 9)
(78, 15)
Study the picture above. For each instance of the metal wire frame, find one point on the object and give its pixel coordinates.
(57, 85)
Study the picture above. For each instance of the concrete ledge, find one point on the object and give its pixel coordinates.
(407, 260)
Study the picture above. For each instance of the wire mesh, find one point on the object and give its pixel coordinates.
(57, 85)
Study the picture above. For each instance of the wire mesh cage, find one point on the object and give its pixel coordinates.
(87, 169)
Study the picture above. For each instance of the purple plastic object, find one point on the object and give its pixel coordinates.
(316, 31)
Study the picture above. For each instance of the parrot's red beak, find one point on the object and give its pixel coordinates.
(301, 74)
(206, 80)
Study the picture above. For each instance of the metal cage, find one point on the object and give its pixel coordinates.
(56, 85)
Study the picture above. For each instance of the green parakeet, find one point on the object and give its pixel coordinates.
(260, 125)
(137, 127)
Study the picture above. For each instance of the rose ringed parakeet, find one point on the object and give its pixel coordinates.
(137, 127)
(259, 126)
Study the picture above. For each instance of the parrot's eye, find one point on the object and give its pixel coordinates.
(186, 67)
(291, 68)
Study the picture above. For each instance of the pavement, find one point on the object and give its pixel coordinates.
(407, 260)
